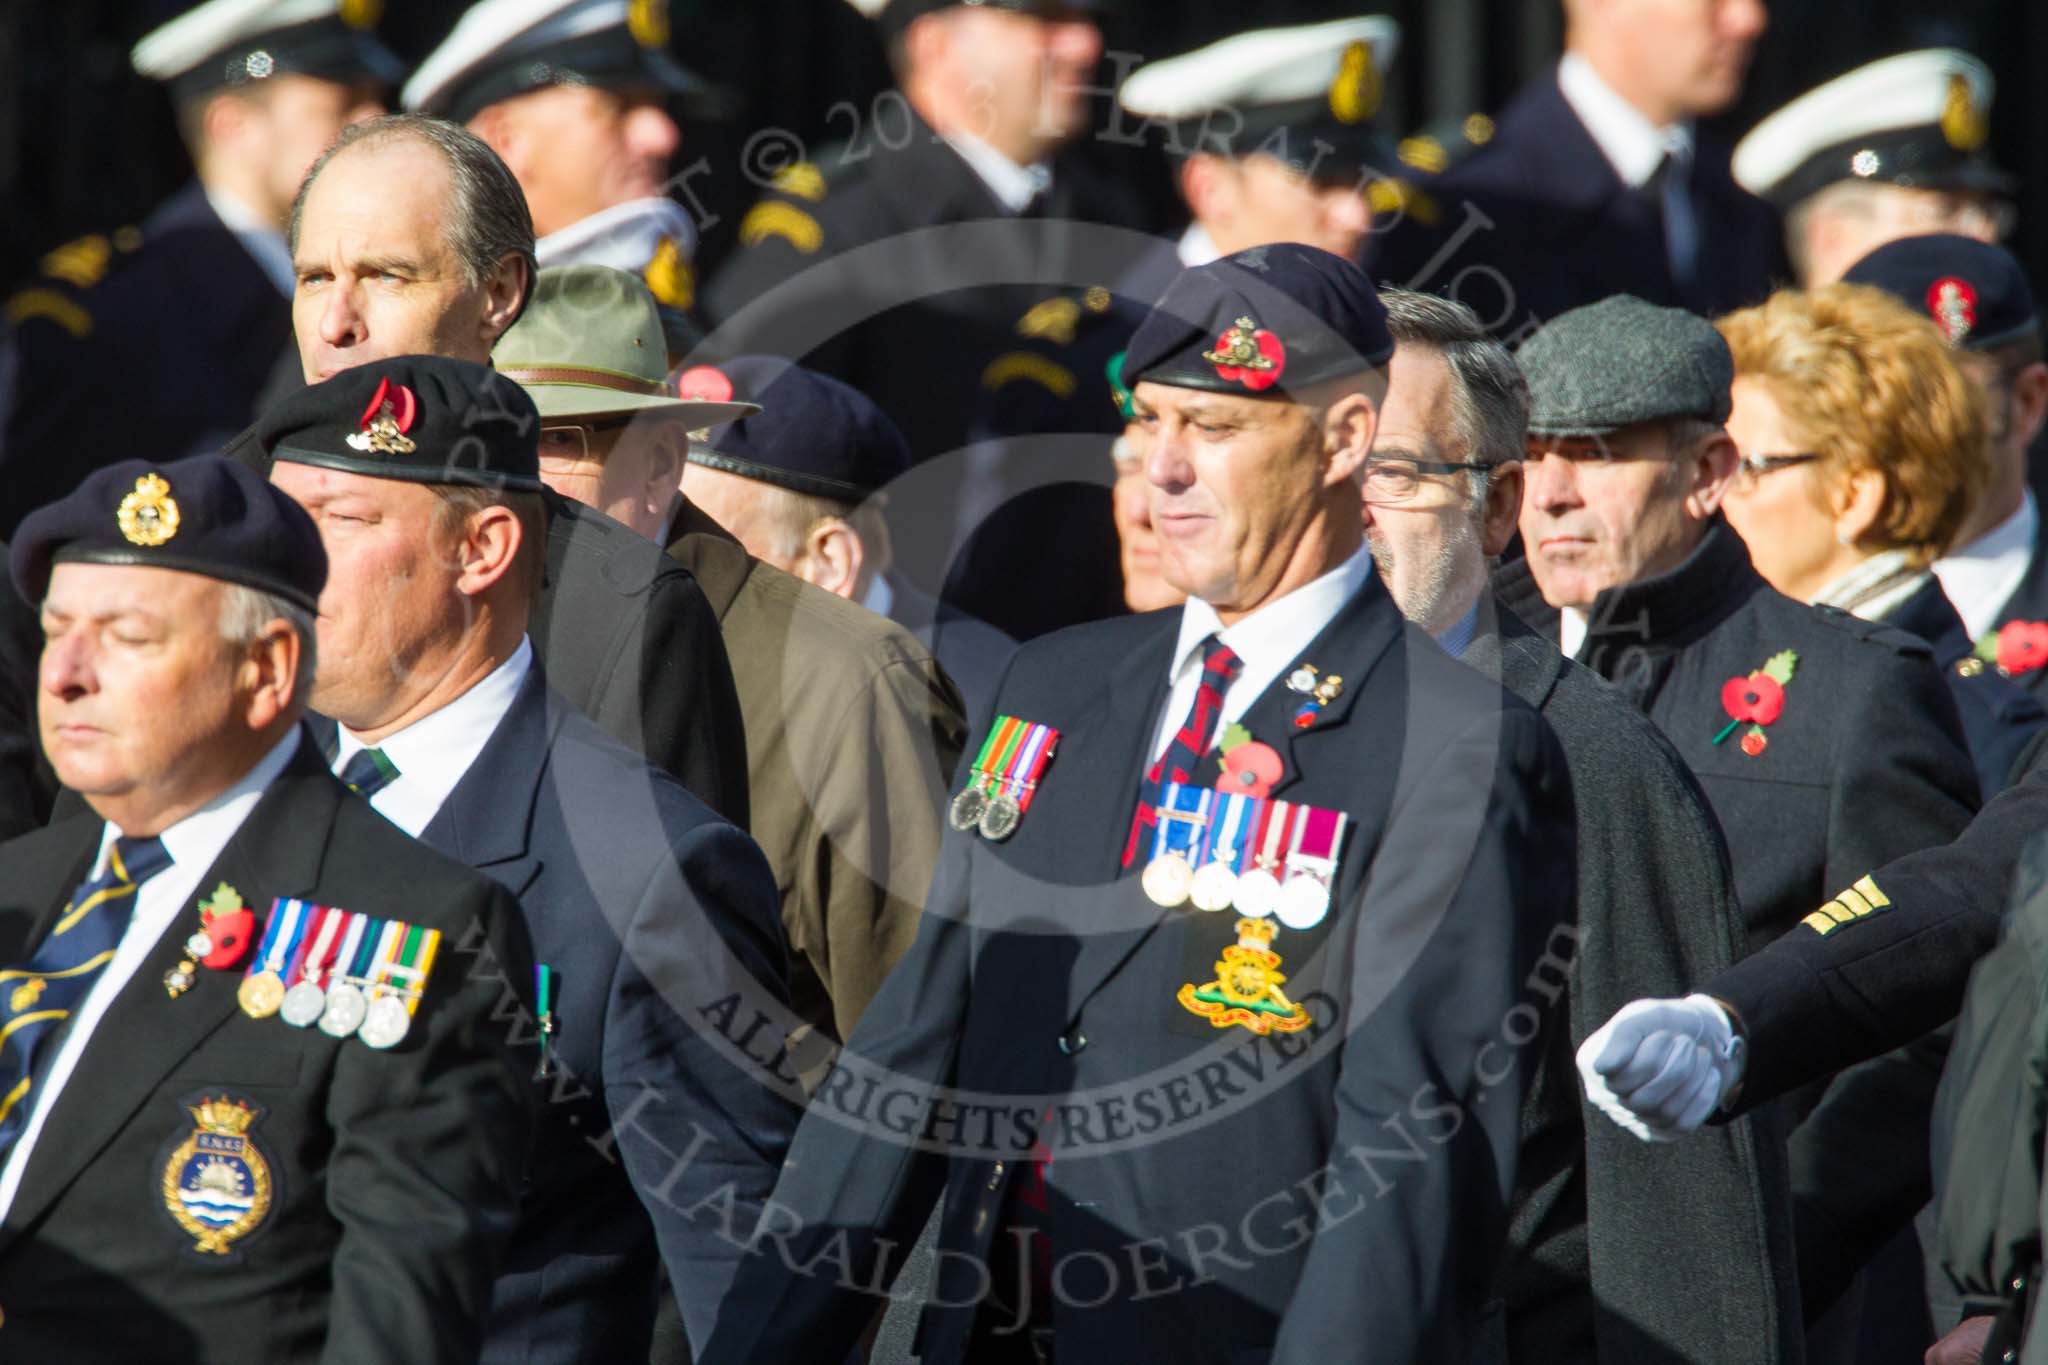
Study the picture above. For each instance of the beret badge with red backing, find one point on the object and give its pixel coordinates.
(391, 413)
(1953, 303)
(1247, 354)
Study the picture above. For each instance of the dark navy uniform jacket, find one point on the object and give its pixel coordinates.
(1041, 996)
(899, 272)
(2029, 602)
(649, 910)
(1865, 762)
(394, 1175)
(163, 337)
(2000, 717)
(1542, 207)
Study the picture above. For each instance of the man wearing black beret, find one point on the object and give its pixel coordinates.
(851, 727)
(1202, 1037)
(653, 919)
(184, 1175)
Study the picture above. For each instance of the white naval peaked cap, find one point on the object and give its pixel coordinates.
(255, 38)
(1918, 118)
(501, 48)
(1267, 66)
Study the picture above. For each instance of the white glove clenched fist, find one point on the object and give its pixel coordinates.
(1660, 1068)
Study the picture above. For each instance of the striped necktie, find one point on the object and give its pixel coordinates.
(1220, 667)
(37, 998)
(368, 772)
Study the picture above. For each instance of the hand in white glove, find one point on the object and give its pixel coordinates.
(1660, 1068)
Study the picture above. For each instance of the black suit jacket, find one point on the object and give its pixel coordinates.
(650, 910)
(168, 330)
(2029, 602)
(1041, 997)
(629, 640)
(1538, 222)
(395, 1175)
(2000, 716)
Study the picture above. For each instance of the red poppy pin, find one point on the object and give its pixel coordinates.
(1953, 304)
(1248, 354)
(1250, 768)
(1757, 699)
(2015, 647)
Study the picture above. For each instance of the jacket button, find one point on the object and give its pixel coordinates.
(1970, 668)
(995, 1175)
(1071, 1043)
(2019, 1284)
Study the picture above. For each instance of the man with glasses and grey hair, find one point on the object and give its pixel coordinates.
(1590, 1274)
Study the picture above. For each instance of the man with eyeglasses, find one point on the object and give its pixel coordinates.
(1825, 744)
(1656, 902)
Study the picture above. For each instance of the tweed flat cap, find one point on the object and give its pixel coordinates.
(1622, 361)
(203, 515)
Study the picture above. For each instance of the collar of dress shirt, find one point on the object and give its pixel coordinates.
(433, 752)
(1982, 576)
(880, 596)
(1457, 637)
(1197, 247)
(1633, 145)
(1267, 640)
(1572, 625)
(258, 236)
(1013, 186)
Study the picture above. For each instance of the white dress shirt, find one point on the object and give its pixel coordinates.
(1013, 186)
(165, 901)
(1981, 577)
(1572, 628)
(1267, 640)
(1633, 145)
(433, 752)
(258, 236)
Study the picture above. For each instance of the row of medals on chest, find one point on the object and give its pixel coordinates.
(340, 1008)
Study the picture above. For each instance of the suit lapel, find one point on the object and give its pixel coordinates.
(1349, 646)
(144, 1035)
(487, 819)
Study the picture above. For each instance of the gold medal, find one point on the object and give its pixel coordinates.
(261, 995)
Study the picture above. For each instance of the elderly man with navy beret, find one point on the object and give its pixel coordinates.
(804, 483)
(218, 1140)
(1215, 1034)
(850, 725)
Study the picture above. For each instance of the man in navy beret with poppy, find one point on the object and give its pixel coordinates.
(1202, 1039)
(184, 1176)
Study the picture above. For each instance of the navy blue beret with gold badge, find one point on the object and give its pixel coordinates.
(421, 418)
(205, 515)
(1268, 320)
(1977, 293)
(813, 433)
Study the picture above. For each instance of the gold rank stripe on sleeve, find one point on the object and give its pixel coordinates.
(1861, 900)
